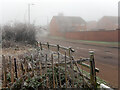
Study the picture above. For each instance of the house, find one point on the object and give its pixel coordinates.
(108, 23)
(62, 24)
(91, 25)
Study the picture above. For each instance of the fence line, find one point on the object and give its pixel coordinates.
(35, 65)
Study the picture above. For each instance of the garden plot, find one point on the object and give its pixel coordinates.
(44, 68)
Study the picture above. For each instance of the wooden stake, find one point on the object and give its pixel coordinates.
(72, 74)
(65, 70)
(92, 70)
(19, 71)
(59, 66)
(15, 65)
(4, 72)
(40, 68)
(46, 71)
(11, 69)
(41, 46)
(21, 68)
(26, 66)
(53, 70)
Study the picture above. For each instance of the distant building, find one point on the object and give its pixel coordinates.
(91, 25)
(62, 24)
(108, 23)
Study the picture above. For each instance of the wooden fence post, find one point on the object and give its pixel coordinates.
(25, 65)
(71, 67)
(58, 65)
(41, 46)
(65, 70)
(46, 72)
(53, 70)
(4, 72)
(92, 70)
(19, 71)
(15, 65)
(11, 70)
(21, 68)
(40, 68)
(48, 45)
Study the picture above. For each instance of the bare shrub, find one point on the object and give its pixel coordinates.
(19, 32)
(8, 33)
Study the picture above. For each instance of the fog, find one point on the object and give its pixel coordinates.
(43, 10)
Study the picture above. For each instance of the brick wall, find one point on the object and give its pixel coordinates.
(110, 36)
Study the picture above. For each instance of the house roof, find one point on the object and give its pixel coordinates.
(113, 19)
(108, 22)
(66, 22)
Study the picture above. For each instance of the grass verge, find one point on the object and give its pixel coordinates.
(86, 41)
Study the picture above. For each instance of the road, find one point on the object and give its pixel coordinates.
(106, 57)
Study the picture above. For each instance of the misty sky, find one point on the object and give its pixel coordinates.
(44, 10)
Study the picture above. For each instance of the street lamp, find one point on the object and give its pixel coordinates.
(29, 12)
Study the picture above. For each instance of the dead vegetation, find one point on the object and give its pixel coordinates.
(18, 33)
(42, 68)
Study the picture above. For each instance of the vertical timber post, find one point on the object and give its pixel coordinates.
(38, 48)
(48, 45)
(65, 70)
(58, 65)
(15, 65)
(72, 74)
(40, 45)
(40, 61)
(53, 70)
(4, 72)
(21, 68)
(46, 72)
(11, 69)
(92, 70)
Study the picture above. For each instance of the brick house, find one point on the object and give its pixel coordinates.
(108, 23)
(91, 25)
(61, 24)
